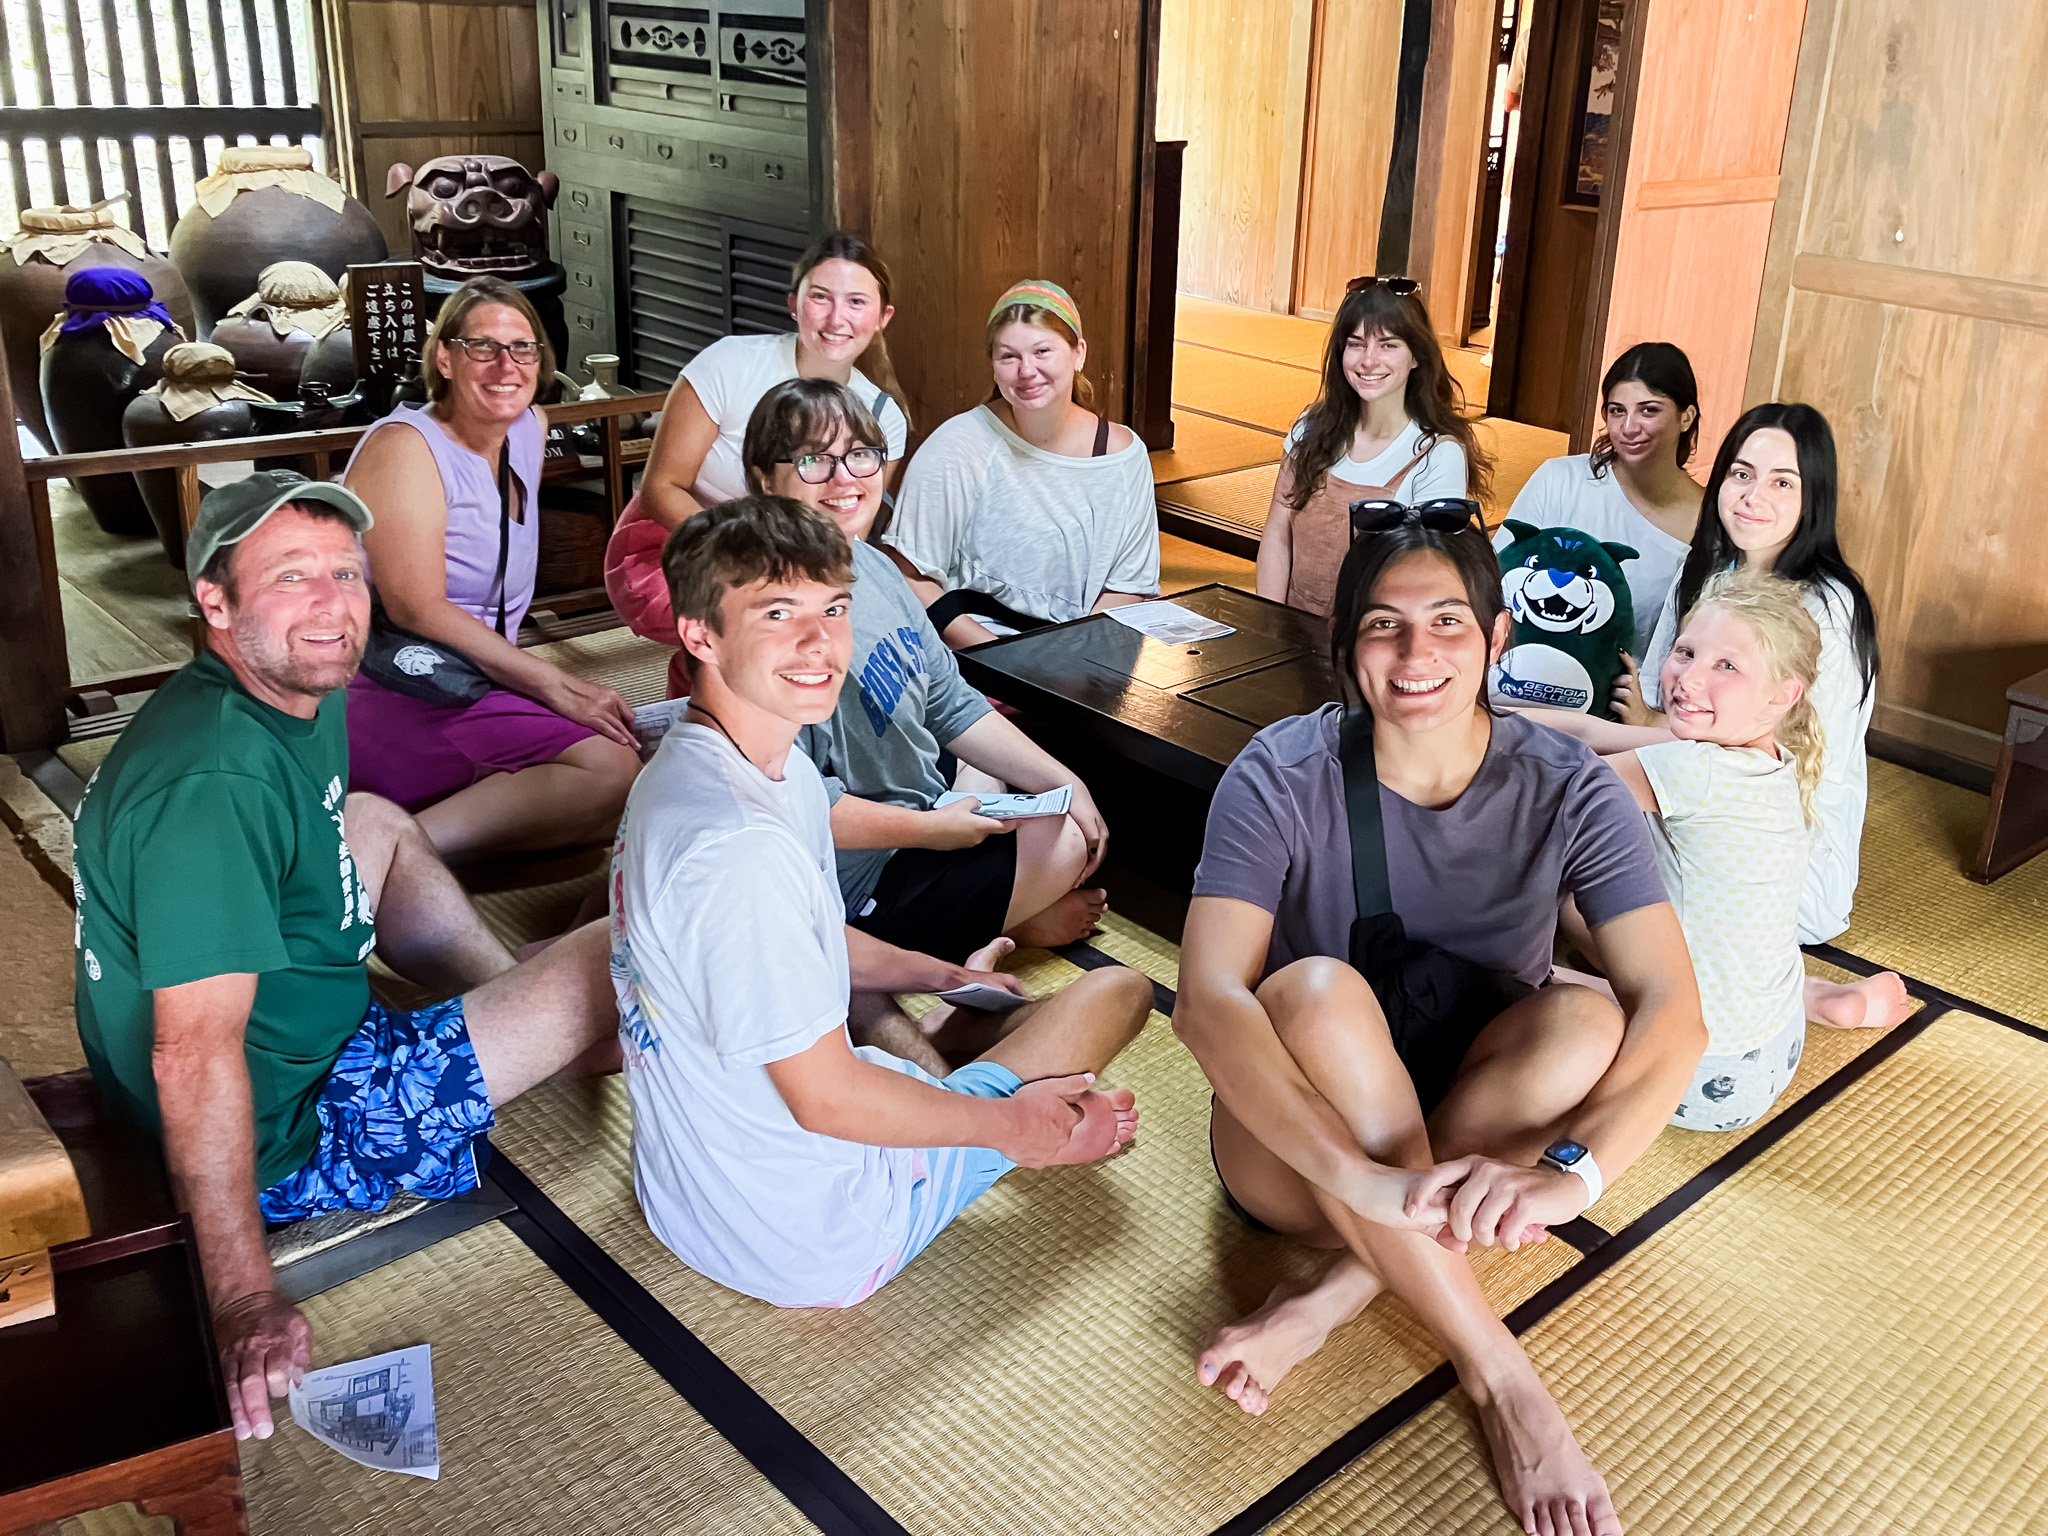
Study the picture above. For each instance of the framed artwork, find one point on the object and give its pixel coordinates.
(1585, 170)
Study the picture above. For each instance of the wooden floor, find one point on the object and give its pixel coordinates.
(126, 607)
(1240, 379)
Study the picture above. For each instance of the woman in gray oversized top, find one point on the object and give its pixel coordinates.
(1488, 1129)
(942, 882)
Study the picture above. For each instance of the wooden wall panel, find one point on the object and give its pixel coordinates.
(413, 79)
(1696, 208)
(1233, 82)
(1906, 296)
(1451, 158)
(1005, 142)
(1350, 136)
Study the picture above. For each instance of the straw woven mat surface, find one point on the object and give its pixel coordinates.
(1184, 563)
(1247, 389)
(1253, 332)
(1917, 912)
(547, 1421)
(1243, 496)
(1845, 1337)
(1033, 1370)
(1203, 445)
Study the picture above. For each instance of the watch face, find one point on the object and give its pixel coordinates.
(1564, 1153)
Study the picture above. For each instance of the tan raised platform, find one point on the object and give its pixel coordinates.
(41, 1204)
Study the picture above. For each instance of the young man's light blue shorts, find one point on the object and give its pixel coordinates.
(948, 1179)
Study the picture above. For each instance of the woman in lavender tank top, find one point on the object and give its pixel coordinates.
(544, 759)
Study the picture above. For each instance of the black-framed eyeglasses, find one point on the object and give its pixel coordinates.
(486, 349)
(1399, 287)
(1443, 514)
(816, 468)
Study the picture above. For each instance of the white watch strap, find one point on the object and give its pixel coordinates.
(1589, 1170)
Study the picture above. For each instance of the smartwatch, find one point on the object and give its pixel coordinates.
(1571, 1157)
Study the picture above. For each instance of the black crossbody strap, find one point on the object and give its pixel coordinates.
(504, 523)
(1362, 810)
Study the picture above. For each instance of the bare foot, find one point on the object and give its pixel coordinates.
(991, 954)
(1109, 1119)
(1545, 1479)
(1247, 1359)
(1876, 1002)
(1073, 916)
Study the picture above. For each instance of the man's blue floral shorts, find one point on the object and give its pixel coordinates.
(404, 1109)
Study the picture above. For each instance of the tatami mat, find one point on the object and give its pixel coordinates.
(1203, 445)
(1252, 332)
(1517, 450)
(1184, 563)
(1033, 1370)
(637, 668)
(1846, 1337)
(1247, 389)
(1917, 912)
(548, 1422)
(1242, 497)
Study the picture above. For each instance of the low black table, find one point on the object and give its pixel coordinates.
(1151, 727)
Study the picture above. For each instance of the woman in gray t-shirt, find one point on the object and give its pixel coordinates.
(1319, 1128)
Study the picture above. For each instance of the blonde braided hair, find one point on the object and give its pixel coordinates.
(1789, 640)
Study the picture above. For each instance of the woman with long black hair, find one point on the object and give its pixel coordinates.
(1385, 427)
(1773, 496)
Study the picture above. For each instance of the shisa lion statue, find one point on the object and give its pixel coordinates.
(473, 215)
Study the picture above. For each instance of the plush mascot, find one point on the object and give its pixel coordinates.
(1573, 618)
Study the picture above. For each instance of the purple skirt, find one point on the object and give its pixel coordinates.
(415, 753)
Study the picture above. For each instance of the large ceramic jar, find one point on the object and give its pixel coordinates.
(259, 206)
(198, 400)
(106, 348)
(271, 331)
(54, 243)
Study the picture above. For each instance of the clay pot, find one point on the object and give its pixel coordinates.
(87, 383)
(267, 360)
(331, 361)
(222, 258)
(32, 293)
(149, 422)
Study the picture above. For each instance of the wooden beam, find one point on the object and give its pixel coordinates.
(1719, 192)
(1795, 174)
(1635, 24)
(34, 672)
(448, 128)
(1397, 209)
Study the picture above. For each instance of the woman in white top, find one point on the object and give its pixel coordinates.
(1632, 488)
(1385, 427)
(1030, 508)
(1773, 491)
(839, 298)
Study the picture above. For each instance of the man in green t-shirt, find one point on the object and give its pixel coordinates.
(230, 893)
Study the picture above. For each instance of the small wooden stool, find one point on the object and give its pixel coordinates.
(2017, 827)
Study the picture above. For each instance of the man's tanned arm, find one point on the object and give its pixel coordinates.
(209, 1118)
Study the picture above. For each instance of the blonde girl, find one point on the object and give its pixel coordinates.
(1030, 508)
(1731, 789)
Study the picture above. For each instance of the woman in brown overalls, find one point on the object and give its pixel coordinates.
(1386, 424)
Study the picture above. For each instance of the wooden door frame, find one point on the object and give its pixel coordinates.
(1635, 25)
(1523, 178)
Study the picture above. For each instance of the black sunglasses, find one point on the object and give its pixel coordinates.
(1399, 287)
(1443, 514)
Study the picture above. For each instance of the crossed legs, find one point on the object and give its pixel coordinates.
(1524, 1074)
(574, 799)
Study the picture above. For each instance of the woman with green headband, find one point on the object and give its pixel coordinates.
(1029, 509)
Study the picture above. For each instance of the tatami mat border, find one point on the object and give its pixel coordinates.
(810, 1480)
(838, 1506)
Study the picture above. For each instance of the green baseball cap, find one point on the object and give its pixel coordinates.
(230, 513)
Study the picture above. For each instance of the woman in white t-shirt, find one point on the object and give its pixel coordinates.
(1773, 491)
(1385, 427)
(839, 298)
(1632, 488)
(1030, 508)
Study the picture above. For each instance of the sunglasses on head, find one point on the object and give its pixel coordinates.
(1443, 514)
(1399, 287)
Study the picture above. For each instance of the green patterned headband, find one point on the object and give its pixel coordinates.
(1040, 294)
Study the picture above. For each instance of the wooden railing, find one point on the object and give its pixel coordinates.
(38, 695)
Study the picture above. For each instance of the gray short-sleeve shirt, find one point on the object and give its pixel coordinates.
(1543, 818)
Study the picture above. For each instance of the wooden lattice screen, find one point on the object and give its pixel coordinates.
(135, 98)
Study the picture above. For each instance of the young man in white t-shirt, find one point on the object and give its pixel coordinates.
(769, 1153)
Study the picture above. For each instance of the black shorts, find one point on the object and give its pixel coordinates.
(945, 902)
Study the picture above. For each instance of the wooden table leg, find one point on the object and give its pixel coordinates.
(198, 1485)
(2016, 828)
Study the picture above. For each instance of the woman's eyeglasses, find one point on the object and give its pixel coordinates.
(483, 349)
(816, 468)
(1399, 287)
(1444, 514)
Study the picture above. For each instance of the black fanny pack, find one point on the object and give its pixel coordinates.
(1434, 1001)
(397, 658)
